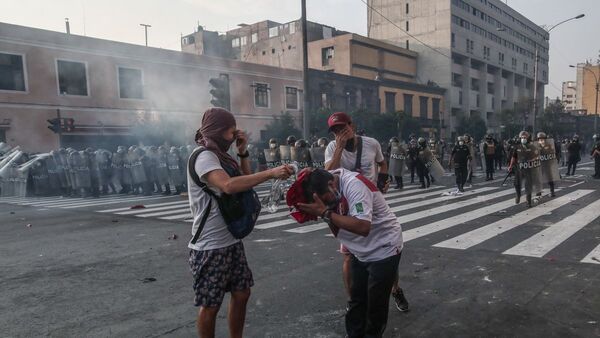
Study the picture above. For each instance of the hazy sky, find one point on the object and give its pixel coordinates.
(119, 20)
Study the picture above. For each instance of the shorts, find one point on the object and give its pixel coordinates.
(219, 271)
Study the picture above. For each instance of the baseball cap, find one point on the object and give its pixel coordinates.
(339, 118)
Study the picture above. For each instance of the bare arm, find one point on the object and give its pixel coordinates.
(232, 185)
(383, 167)
(351, 224)
(245, 166)
(340, 143)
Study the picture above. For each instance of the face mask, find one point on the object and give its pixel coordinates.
(542, 141)
(461, 143)
(350, 144)
(272, 145)
(336, 201)
(523, 141)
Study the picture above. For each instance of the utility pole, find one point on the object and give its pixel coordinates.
(145, 31)
(306, 110)
(535, 85)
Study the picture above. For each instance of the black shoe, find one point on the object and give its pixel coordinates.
(422, 186)
(400, 300)
(518, 199)
(552, 194)
(427, 184)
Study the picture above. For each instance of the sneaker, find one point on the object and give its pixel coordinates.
(400, 300)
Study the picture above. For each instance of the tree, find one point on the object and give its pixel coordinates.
(549, 120)
(474, 126)
(510, 120)
(280, 128)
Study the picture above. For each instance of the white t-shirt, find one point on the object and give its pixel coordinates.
(371, 155)
(214, 235)
(367, 203)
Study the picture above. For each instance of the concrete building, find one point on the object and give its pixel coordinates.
(587, 75)
(483, 51)
(393, 68)
(112, 89)
(569, 95)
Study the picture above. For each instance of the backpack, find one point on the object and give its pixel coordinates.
(240, 210)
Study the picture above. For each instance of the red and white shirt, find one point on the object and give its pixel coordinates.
(366, 202)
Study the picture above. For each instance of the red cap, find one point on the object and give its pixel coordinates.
(295, 195)
(339, 118)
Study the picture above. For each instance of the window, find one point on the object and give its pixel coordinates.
(486, 52)
(408, 104)
(470, 46)
(273, 31)
(390, 102)
(130, 83)
(514, 63)
(435, 107)
(460, 99)
(453, 40)
(291, 98)
(72, 78)
(406, 8)
(12, 72)
(490, 88)
(423, 101)
(525, 68)
(261, 95)
(292, 27)
(327, 56)
(243, 40)
(501, 58)
(235, 42)
(407, 26)
(493, 103)
(254, 37)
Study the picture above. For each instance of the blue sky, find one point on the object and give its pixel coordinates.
(119, 20)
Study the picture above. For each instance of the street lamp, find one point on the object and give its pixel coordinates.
(535, 65)
(597, 89)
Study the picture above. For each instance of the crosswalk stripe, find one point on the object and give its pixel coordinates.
(113, 202)
(411, 216)
(71, 201)
(177, 205)
(433, 200)
(541, 243)
(184, 215)
(269, 216)
(482, 234)
(147, 206)
(593, 257)
(167, 212)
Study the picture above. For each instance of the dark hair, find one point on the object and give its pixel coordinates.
(317, 182)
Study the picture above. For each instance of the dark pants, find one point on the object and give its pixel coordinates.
(399, 183)
(518, 185)
(597, 167)
(489, 165)
(423, 175)
(571, 164)
(370, 287)
(461, 175)
(412, 167)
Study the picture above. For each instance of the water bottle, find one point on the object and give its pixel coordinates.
(279, 188)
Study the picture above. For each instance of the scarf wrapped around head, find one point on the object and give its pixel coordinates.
(214, 123)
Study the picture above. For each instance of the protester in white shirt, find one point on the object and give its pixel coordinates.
(361, 220)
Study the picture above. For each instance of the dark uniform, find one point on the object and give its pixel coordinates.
(573, 155)
(461, 155)
(413, 152)
(489, 152)
(595, 153)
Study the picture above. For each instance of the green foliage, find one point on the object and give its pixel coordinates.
(280, 128)
(474, 126)
(549, 120)
(511, 122)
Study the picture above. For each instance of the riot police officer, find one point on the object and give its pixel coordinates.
(291, 140)
(548, 161)
(573, 155)
(422, 170)
(489, 153)
(397, 159)
(413, 152)
(460, 157)
(596, 155)
(526, 161)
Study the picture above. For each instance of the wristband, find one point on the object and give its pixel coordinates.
(244, 155)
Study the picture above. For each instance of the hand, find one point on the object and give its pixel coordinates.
(283, 172)
(316, 208)
(241, 141)
(386, 187)
(342, 137)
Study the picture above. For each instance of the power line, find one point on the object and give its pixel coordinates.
(400, 28)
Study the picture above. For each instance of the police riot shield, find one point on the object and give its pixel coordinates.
(432, 164)
(317, 156)
(81, 170)
(54, 184)
(39, 174)
(473, 162)
(117, 165)
(285, 154)
(530, 168)
(272, 158)
(138, 174)
(162, 169)
(549, 161)
(301, 155)
(103, 166)
(397, 160)
(61, 170)
(175, 171)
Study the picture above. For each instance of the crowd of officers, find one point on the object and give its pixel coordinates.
(91, 173)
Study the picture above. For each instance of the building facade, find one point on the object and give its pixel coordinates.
(587, 78)
(483, 51)
(569, 95)
(111, 89)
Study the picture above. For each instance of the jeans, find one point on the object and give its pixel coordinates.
(370, 287)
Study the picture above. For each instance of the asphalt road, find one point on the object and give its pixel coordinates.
(474, 265)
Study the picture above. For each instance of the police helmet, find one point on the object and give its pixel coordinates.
(301, 143)
(394, 140)
(460, 138)
(524, 134)
(422, 141)
(291, 140)
(542, 135)
(323, 142)
(273, 140)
